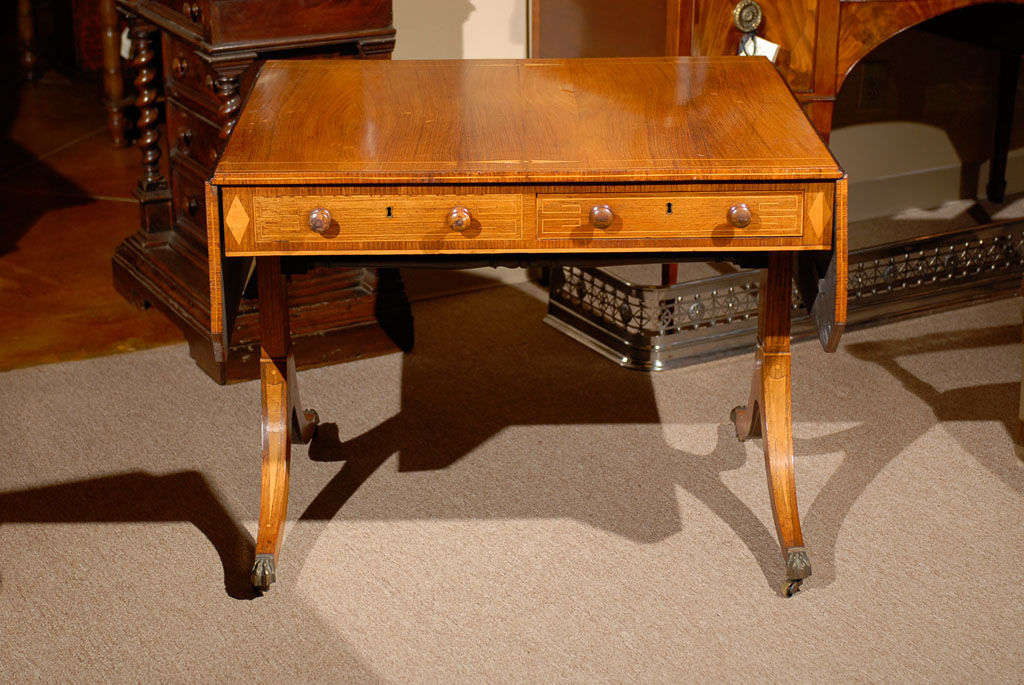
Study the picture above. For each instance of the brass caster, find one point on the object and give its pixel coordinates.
(300, 435)
(263, 572)
(791, 587)
(732, 419)
(314, 419)
(798, 566)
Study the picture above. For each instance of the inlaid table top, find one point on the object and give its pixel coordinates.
(519, 121)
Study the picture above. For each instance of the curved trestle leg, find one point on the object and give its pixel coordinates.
(283, 421)
(768, 415)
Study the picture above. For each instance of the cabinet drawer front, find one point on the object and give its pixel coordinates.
(192, 137)
(187, 75)
(192, 14)
(188, 197)
(698, 214)
(386, 218)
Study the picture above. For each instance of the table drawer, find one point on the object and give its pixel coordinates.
(282, 216)
(696, 214)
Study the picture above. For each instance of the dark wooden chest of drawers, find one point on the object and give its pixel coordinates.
(202, 56)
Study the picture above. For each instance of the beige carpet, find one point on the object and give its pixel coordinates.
(505, 506)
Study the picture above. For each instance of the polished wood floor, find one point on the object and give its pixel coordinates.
(65, 204)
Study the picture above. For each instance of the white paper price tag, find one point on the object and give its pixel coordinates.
(126, 45)
(755, 46)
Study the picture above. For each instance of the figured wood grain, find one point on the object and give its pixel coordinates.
(287, 209)
(455, 121)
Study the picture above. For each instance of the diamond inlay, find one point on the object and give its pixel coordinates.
(237, 220)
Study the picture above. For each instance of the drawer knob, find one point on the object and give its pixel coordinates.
(319, 220)
(459, 219)
(739, 215)
(180, 67)
(601, 216)
(193, 10)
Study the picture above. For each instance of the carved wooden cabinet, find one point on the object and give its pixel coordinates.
(200, 58)
(820, 40)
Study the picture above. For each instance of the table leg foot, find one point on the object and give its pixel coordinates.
(264, 572)
(746, 421)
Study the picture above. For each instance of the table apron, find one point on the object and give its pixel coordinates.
(509, 219)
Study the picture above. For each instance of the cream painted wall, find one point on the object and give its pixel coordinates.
(453, 29)
(899, 165)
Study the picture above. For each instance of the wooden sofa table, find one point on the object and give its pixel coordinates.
(516, 162)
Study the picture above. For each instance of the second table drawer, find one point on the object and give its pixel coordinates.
(699, 214)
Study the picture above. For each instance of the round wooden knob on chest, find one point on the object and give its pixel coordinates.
(185, 138)
(194, 12)
(459, 219)
(180, 67)
(601, 216)
(319, 220)
(739, 215)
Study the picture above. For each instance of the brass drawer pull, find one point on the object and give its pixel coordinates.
(739, 215)
(601, 216)
(459, 219)
(747, 15)
(319, 220)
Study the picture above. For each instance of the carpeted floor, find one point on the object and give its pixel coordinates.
(502, 505)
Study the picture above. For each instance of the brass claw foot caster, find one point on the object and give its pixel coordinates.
(798, 567)
(263, 573)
